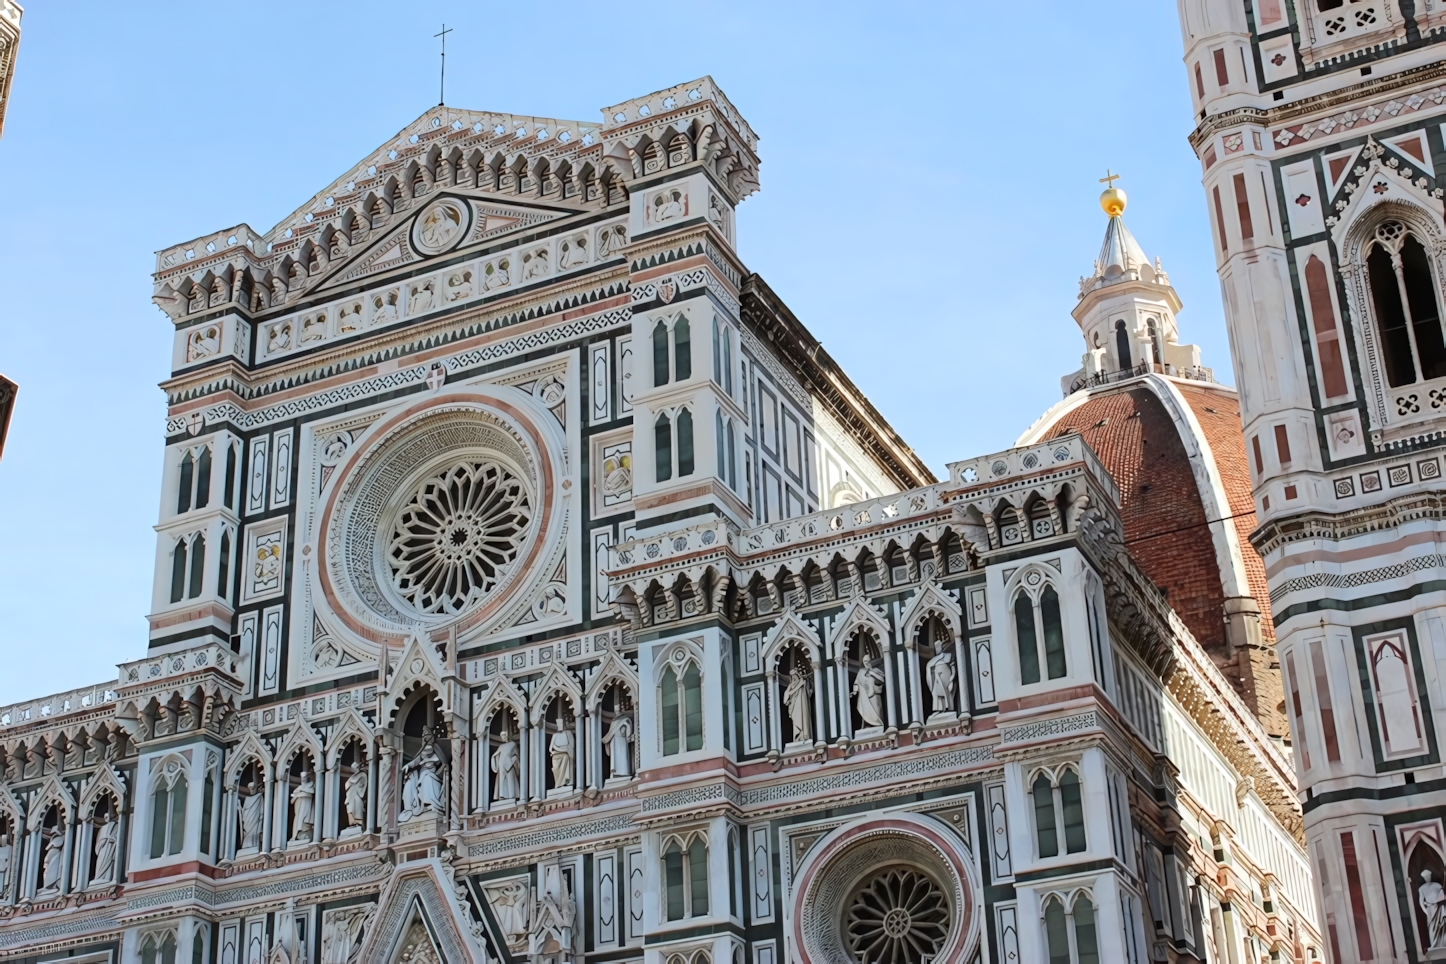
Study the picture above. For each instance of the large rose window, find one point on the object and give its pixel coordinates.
(898, 916)
(896, 888)
(456, 537)
(441, 519)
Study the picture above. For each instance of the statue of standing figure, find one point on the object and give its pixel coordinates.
(52, 861)
(355, 800)
(869, 688)
(560, 749)
(619, 741)
(303, 807)
(505, 763)
(5, 855)
(1432, 900)
(940, 671)
(253, 810)
(106, 840)
(796, 699)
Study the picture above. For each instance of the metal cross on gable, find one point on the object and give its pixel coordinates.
(1109, 179)
(442, 92)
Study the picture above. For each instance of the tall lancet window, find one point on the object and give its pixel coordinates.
(1122, 345)
(1408, 314)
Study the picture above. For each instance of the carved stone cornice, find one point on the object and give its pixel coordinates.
(1321, 103)
(1337, 526)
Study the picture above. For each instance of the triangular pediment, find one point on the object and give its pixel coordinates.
(410, 238)
(422, 919)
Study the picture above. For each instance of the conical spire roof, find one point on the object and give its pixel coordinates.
(1120, 252)
(1121, 257)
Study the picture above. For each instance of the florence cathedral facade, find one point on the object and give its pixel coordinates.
(532, 586)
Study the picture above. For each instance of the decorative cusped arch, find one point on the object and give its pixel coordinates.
(786, 632)
(929, 601)
(852, 858)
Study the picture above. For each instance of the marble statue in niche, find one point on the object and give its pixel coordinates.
(253, 805)
(560, 750)
(51, 861)
(303, 808)
(107, 838)
(505, 763)
(422, 781)
(940, 670)
(1431, 898)
(869, 688)
(619, 741)
(796, 698)
(355, 801)
(6, 850)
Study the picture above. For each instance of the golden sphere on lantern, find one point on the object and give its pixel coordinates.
(1113, 201)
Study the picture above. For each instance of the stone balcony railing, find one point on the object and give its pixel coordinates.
(155, 669)
(48, 707)
(1003, 467)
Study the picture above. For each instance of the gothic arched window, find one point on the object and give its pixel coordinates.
(685, 442)
(184, 484)
(227, 495)
(663, 448)
(203, 478)
(720, 446)
(178, 571)
(682, 350)
(1408, 314)
(1058, 813)
(685, 878)
(1034, 621)
(159, 949)
(682, 709)
(168, 817)
(223, 574)
(1070, 934)
(660, 354)
(198, 566)
(1122, 346)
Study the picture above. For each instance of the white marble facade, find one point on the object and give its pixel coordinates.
(520, 595)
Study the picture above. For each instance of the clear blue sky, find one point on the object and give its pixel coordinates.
(929, 200)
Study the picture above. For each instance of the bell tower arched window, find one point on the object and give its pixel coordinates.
(663, 448)
(1122, 346)
(1404, 298)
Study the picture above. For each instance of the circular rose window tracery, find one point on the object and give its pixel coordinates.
(897, 916)
(457, 536)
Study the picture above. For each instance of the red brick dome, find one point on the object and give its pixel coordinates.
(1176, 450)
